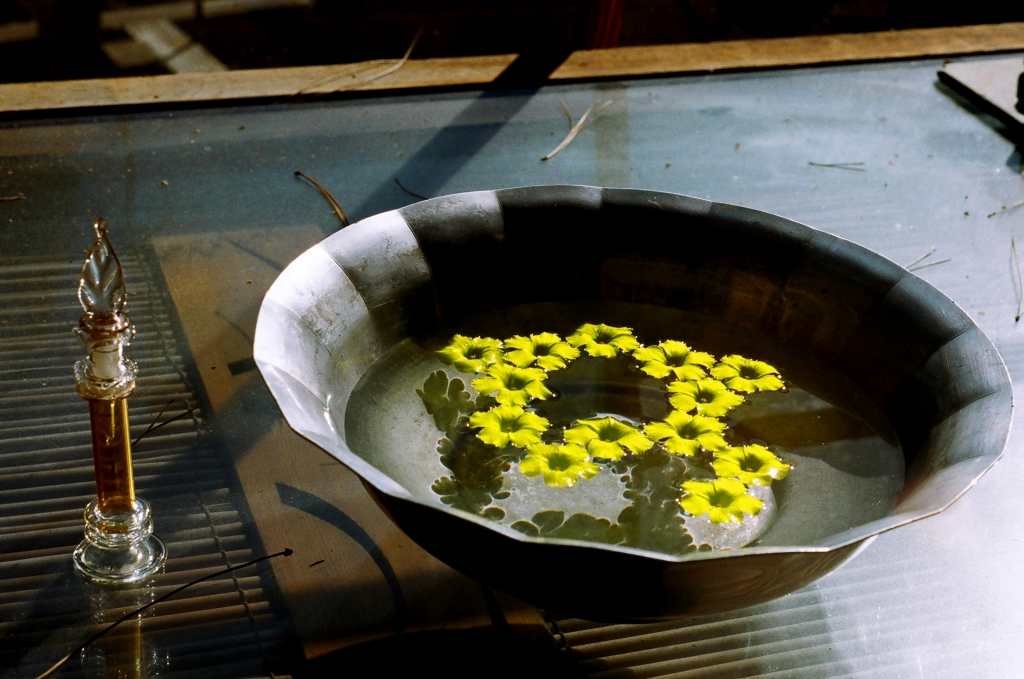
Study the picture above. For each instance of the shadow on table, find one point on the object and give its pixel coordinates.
(495, 652)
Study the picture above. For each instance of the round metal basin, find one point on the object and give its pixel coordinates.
(916, 356)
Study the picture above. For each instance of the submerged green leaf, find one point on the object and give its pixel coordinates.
(561, 466)
(445, 399)
(603, 341)
(723, 500)
(514, 386)
(751, 464)
(674, 358)
(471, 354)
(707, 397)
(747, 375)
(503, 425)
(686, 434)
(607, 438)
(546, 349)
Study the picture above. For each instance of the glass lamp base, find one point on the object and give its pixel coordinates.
(119, 547)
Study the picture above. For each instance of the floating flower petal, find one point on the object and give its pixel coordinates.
(607, 438)
(686, 434)
(746, 375)
(674, 358)
(503, 425)
(561, 466)
(471, 354)
(707, 397)
(603, 341)
(514, 386)
(547, 350)
(751, 464)
(723, 500)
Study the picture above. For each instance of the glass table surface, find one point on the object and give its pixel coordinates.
(205, 210)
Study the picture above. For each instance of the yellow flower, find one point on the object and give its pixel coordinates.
(503, 425)
(561, 466)
(607, 437)
(707, 397)
(674, 358)
(723, 500)
(547, 350)
(750, 464)
(602, 340)
(746, 375)
(514, 386)
(686, 434)
(471, 354)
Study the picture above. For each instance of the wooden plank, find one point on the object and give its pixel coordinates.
(480, 71)
(778, 52)
(262, 83)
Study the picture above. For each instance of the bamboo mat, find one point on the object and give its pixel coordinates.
(225, 627)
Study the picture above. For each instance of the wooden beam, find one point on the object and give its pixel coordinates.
(620, 62)
(253, 84)
(780, 52)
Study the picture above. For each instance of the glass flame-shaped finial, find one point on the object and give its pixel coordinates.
(101, 290)
(105, 329)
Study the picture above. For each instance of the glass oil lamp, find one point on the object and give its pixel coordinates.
(119, 545)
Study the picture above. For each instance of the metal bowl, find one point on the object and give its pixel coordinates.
(916, 355)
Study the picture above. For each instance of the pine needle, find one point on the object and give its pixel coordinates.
(925, 266)
(920, 259)
(310, 89)
(840, 166)
(1020, 281)
(326, 194)
(409, 191)
(568, 114)
(584, 119)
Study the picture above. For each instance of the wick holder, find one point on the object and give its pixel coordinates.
(119, 545)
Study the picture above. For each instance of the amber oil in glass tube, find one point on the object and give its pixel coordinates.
(112, 455)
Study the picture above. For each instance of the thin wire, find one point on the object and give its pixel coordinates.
(577, 128)
(326, 194)
(285, 552)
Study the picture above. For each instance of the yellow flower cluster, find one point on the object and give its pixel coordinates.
(702, 390)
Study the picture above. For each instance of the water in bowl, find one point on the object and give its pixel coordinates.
(409, 417)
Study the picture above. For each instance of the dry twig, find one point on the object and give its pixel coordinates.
(310, 89)
(584, 119)
(326, 194)
(7, 199)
